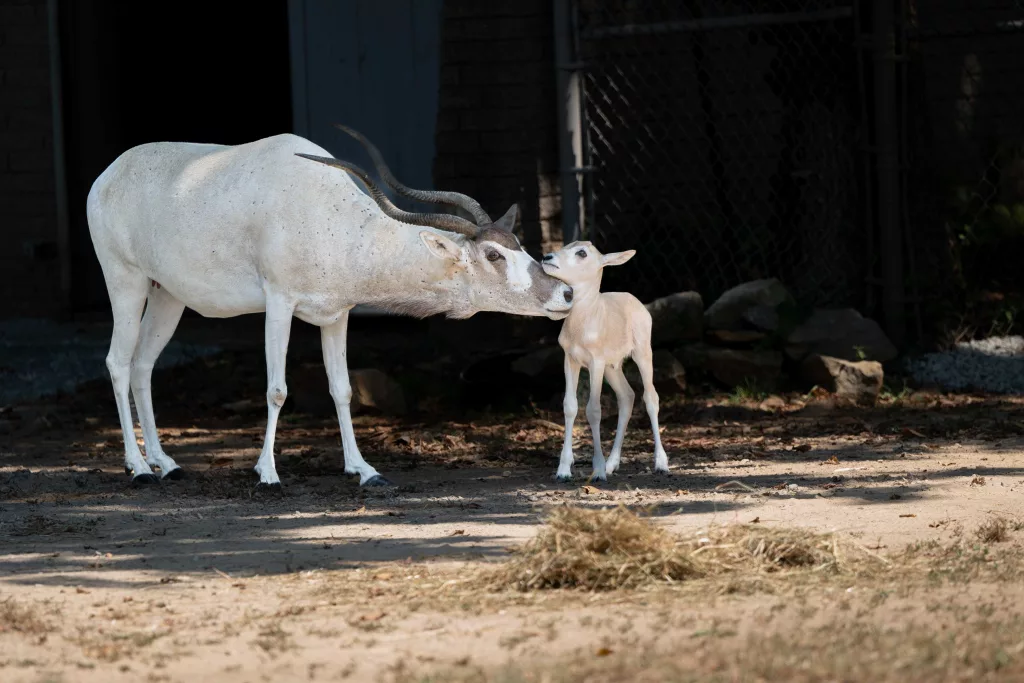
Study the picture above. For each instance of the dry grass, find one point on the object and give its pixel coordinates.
(18, 618)
(597, 550)
(617, 548)
(993, 530)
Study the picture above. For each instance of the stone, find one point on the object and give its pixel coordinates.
(541, 362)
(676, 318)
(859, 381)
(773, 404)
(308, 388)
(669, 375)
(734, 367)
(737, 336)
(727, 313)
(840, 333)
(693, 356)
(765, 318)
(372, 388)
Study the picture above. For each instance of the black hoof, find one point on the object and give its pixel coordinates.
(597, 480)
(177, 474)
(377, 480)
(128, 470)
(563, 479)
(270, 488)
(145, 480)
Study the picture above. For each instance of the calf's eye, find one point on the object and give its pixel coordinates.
(582, 253)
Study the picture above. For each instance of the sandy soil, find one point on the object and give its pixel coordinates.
(211, 578)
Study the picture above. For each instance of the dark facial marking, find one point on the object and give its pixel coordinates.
(505, 239)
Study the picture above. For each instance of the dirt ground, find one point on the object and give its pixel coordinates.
(211, 579)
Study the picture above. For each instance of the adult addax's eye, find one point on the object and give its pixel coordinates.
(494, 256)
(582, 253)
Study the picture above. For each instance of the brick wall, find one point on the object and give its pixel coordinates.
(496, 122)
(30, 282)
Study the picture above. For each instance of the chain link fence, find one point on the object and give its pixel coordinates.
(723, 140)
(964, 161)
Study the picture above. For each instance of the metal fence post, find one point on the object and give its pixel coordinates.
(888, 195)
(569, 133)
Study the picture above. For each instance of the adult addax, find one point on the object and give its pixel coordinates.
(258, 228)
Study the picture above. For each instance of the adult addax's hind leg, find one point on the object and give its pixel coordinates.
(646, 365)
(625, 395)
(127, 289)
(163, 312)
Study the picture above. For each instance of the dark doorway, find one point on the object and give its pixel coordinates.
(138, 72)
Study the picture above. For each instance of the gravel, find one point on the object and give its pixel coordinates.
(994, 365)
(40, 358)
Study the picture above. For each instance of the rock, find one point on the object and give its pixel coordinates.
(857, 381)
(840, 333)
(764, 318)
(694, 356)
(734, 367)
(676, 318)
(544, 361)
(772, 404)
(728, 312)
(246, 405)
(669, 375)
(737, 336)
(609, 406)
(309, 389)
(372, 388)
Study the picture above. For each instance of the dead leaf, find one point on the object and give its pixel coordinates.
(371, 617)
(591, 490)
(603, 652)
(833, 460)
(682, 492)
(977, 480)
(908, 515)
(222, 461)
(755, 520)
(79, 589)
(459, 532)
(907, 431)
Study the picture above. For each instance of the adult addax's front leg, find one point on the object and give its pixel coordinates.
(278, 328)
(333, 338)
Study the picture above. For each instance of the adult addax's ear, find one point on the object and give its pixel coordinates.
(510, 220)
(441, 246)
(618, 258)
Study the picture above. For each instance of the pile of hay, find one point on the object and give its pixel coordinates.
(616, 548)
